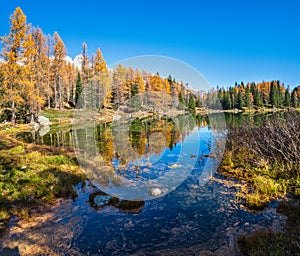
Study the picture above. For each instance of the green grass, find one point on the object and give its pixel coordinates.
(266, 182)
(268, 159)
(57, 116)
(33, 176)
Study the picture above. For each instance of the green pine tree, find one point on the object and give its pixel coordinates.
(279, 95)
(239, 100)
(232, 97)
(273, 96)
(192, 104)
(226, 102)
(287, 97)
(170, 80)
(253, 88)
(133, 89)
(247, 101)
(294, 99)
(181, 101)
(199, 103)
(78, 89)
(257, 98)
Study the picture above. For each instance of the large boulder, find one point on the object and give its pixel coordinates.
(44, 130)
(43, 121)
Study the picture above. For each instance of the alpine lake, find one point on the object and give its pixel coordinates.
(152, 189)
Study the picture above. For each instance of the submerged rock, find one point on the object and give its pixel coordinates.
(155, 192)
(101, 200)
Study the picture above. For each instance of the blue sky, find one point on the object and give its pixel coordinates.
(226, 41)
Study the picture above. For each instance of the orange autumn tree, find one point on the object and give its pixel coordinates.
(156, 83)
(120, 88)
(139, 82)
(41, 66)
(32, 86)
(58, 69)
(13, 54)
(102, 82)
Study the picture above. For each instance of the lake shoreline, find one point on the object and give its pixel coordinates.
(37, 227)
(8, 143)
(105, 116)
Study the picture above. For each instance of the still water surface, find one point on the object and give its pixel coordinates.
(190, 218)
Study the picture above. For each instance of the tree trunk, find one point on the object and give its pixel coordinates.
(55, 96)
(13, 116)
(49, 88)
(49, 103)
(31, 118)
(60, 94)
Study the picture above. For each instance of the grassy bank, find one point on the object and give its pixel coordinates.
(58, 117)
(32, 175)
(267, 157)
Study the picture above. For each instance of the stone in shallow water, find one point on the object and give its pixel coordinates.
(101, 200)
(155, 192)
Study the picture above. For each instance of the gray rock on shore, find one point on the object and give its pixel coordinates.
(43, 121)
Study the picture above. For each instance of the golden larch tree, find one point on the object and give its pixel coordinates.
(139, 81)
(102, 82)
(42, 66)
(30, 91)
(167, 86)
(58, 69)
(35, 60)
(156, 83)
(13, 54)
(120, 88)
